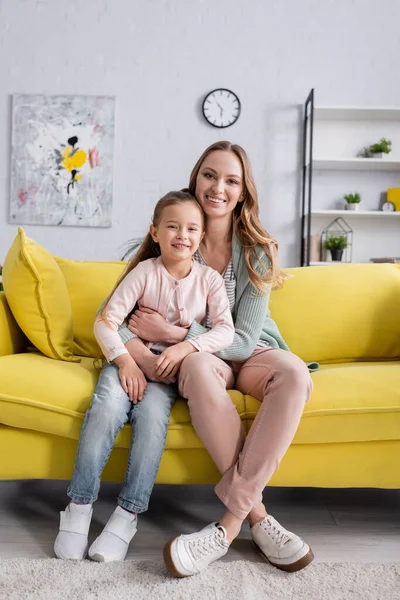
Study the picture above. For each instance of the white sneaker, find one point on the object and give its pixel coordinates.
(72, 539)
(189, 554)
(113, 542)
(282, 548)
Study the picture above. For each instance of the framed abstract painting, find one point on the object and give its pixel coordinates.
(62, 160)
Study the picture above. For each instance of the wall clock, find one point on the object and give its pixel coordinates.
(221, 108)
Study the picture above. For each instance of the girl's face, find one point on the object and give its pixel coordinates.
(179, 231)
(219, 183)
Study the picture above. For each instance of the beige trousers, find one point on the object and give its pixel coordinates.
(281, 382)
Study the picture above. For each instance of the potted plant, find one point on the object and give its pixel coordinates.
(352, 201)
(336, 244)
(379, 149)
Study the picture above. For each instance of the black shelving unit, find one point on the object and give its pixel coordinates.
(308, 130)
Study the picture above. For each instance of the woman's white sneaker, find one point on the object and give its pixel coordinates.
(189, 554)
(113, 542)
(72, 539)
(282, 548)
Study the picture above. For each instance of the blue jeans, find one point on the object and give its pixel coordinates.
(110, 409)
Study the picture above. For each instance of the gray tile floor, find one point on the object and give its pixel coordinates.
(340, 525)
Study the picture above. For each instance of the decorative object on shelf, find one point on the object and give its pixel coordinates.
(352, 201)
(315, 248)
(389, 259)
(336, 245)
(62, 160)
(378, 150)
(337, 238)
(388, 207)
(221, 108)
(393, 196)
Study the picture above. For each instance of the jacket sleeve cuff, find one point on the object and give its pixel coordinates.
(195, 344)
(115, 355)
(125, 334)
(195, 330)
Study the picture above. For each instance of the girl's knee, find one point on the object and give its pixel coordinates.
(110, 406)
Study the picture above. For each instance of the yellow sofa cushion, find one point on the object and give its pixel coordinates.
(351, 402)
(340, 312)
(53, 397)
(38, 297)
(88, 285)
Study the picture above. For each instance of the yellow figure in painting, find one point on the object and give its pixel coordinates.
(74, 159)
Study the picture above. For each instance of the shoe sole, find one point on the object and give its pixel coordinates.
(292, 567)
(169, 563)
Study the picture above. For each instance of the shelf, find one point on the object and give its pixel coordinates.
(356, 213)
(356, 113)
(326, 263)
(356, 164)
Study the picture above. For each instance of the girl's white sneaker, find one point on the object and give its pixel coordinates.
(113, 542)
(282, 548)
(72, 539)
(189, 554)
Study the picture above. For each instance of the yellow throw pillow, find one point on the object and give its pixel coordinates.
(37, 294)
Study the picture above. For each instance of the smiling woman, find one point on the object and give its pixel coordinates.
(257, 362)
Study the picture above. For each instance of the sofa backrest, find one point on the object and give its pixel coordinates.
(328, 313)
(88, 283)
(340, 312)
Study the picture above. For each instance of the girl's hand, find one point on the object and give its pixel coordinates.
(146, 360)
(132, 379)
(170, 360)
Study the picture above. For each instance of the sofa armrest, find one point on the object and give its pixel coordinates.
(12, 339)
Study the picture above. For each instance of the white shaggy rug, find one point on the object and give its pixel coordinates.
(52, 579)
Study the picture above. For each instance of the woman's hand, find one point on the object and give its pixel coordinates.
(132, 379)
(149, 325)
(170, 360)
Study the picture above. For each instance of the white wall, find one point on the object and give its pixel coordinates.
(160, 57)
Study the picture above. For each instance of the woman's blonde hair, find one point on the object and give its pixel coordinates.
(246, 225)
(149, 248)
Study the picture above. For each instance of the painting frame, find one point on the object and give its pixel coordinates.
(62, 160)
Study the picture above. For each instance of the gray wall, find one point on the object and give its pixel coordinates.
(160, 57)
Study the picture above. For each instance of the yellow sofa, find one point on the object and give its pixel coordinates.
(346, 317)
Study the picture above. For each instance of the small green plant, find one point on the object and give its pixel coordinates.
(384, 146)
(336, 242)
(353, 198)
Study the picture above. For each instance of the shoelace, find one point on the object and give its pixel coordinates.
(207, 545)
(276, 531)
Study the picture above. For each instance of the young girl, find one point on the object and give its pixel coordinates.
(258, 363)
(162, 277)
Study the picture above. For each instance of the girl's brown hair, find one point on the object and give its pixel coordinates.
(246, 225)
(149, 248)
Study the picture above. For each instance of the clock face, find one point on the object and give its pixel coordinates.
(388, 207)
(221, 108)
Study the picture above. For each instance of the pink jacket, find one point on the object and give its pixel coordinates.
(149, 284)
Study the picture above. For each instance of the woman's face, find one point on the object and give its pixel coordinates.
(219, 183)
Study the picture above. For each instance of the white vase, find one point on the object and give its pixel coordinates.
(376, 154)
(352, 206)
